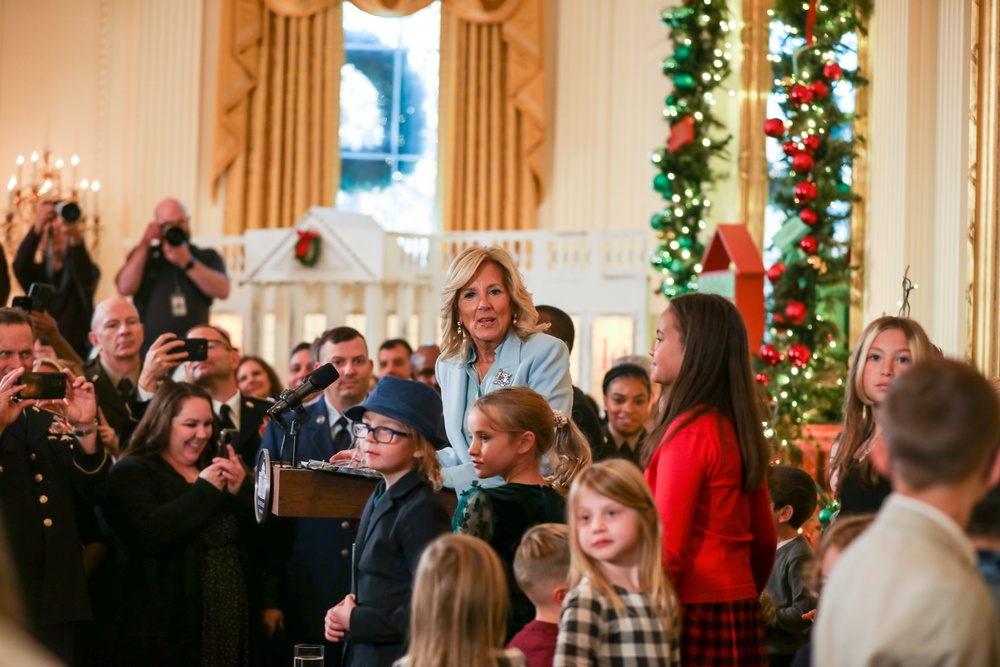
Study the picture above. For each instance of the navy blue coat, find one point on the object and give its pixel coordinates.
(392, 535)
(308, 568)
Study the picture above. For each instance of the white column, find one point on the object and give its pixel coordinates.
(947, 326)
(917, 207)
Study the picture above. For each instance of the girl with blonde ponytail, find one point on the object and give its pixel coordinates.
(511, 430)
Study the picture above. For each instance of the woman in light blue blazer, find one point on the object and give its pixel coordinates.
(491, 339)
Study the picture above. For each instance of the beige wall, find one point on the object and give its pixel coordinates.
(606, 101)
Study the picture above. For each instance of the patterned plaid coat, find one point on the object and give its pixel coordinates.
(593, 632)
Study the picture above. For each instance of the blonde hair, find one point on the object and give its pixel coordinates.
(859, 420)
(621, 481)
(524, 410)
(459, 611)
(461, 271)
(542, 561)
(427, 464)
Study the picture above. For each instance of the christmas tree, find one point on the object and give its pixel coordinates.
(699, 32)
(804, 361)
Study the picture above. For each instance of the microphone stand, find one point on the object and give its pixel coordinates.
(291, 429)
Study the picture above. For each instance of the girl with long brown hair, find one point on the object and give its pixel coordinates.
(706, 464)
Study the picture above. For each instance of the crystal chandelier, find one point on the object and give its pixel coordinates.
(46, 177)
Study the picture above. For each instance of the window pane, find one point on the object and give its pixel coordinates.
(389, 118)
(418, 104)
(365, 101)
(363, 174)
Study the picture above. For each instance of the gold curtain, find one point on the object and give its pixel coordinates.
(278, 109)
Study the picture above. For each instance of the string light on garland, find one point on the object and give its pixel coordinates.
(701, 58)
(804, 360)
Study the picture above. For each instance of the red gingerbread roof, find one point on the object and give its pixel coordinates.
(731, 244)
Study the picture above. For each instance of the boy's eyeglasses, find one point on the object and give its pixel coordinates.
(382, 434)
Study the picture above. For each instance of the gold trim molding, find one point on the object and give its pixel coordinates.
(861, 185)
(983, 294)
(755, 86)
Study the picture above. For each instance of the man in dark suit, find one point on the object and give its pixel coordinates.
(52, 470)
(313, 570)
(217, 375)
(116, 334)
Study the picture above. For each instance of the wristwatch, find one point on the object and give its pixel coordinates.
(190, 264)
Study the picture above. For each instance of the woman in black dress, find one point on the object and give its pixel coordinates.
(176, 510)
(888, 347)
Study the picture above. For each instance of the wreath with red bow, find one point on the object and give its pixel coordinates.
(308, 248)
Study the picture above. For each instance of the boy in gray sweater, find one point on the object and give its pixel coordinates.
(793, 499)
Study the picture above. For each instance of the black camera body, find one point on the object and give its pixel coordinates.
(174, 235)
(37, 298)
(69, 211)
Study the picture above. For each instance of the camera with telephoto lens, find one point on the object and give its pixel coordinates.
(174, 235)
(69, 211)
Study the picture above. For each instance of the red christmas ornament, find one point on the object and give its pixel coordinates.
(804, 192)
(832, 71)
(811, 142)
(681, 134)
(774, 127)
(796, 311)
(770, 355)
(809, 216)
(799, 354)
(809, 244)
(820, 89)
(802, 163)
(776, 271)
(791, 148)
(800, 95)
(761, 379)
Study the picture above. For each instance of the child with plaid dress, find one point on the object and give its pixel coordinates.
(706, 462)
(622, 611)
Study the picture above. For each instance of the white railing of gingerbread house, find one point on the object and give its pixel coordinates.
(388, 285)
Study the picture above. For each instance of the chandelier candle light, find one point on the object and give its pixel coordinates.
(47, 179)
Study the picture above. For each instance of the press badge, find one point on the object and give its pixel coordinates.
(178, 305)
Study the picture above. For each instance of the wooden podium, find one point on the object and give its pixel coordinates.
(302, 492)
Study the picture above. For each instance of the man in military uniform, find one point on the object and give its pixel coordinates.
(116, 333)
(51, 468)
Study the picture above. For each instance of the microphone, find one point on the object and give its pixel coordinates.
(318, 380)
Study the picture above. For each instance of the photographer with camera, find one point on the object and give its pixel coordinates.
(65, 264)
(173, 282)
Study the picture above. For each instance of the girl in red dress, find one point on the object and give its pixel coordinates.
(706, 462)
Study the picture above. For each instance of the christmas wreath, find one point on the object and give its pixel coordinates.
(308, 248)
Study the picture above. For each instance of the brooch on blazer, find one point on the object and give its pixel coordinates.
(502, 378)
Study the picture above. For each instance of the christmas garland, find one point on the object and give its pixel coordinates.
(308, 248)
(804, 362)
(697, 67)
